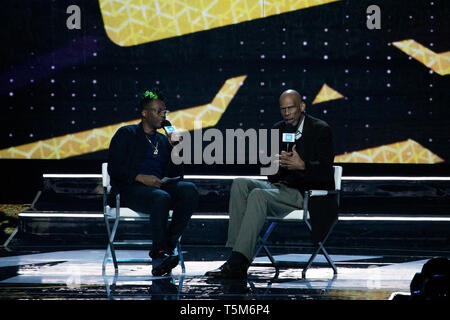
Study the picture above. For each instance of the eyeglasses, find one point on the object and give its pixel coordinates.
(288, 108)
(161, 112)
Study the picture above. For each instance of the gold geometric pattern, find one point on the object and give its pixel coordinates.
(408, 151)
(99, 138)
(327, 94)
(133, 22)
(438, 62)
(209, 114)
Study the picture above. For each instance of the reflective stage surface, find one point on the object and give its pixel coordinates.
(77, 274)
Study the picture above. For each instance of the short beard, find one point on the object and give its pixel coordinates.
(295, 123)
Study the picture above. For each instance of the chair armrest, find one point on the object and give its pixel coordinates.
(127, 213)
(295, 215)
(317, 193)
(321, 193)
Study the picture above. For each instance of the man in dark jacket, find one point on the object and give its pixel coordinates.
(139, 160)
(309, 165)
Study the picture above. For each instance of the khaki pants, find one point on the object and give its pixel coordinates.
(250, 202)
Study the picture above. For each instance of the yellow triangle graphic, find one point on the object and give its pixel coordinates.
(408, 151)
(438, 62)
(96, 139)
(326, 94)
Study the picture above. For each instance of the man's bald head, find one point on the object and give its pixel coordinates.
(292, 107)
(293, 94)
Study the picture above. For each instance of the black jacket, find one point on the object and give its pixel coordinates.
(127, 151)
(315, 147)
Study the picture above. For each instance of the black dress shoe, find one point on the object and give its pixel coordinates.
(226, 271)
(165, 267)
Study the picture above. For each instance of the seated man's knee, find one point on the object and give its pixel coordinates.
(162, 199)
(257, 195)
(257, 203)
(239, 185)
(187, 193)
(187, 190)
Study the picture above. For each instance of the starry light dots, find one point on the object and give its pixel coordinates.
(90, 99)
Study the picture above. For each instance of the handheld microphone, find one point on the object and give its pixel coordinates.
(168, 129)
(288, 137)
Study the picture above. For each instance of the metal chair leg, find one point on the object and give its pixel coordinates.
(320, 247)
(270, 256)
(180, 287)
(110, 247)
(111, 235)
(310, 261)
(262, 241)
(180, 254)
(330, 261)
(111, 243)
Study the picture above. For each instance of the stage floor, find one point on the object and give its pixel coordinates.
(77, 274)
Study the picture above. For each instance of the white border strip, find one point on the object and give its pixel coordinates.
(100, 215)
(224, 177)
(218, 177)
(397, 178)
(205, 216)
(218, 217)
(70, 175)
(60, 215)
(380, 218)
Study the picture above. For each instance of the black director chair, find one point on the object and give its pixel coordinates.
(116, 215)
(323, 204)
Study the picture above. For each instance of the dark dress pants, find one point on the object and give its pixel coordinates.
(181, 197)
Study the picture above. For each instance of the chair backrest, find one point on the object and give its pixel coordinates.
(337, 177)
(105, 175)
